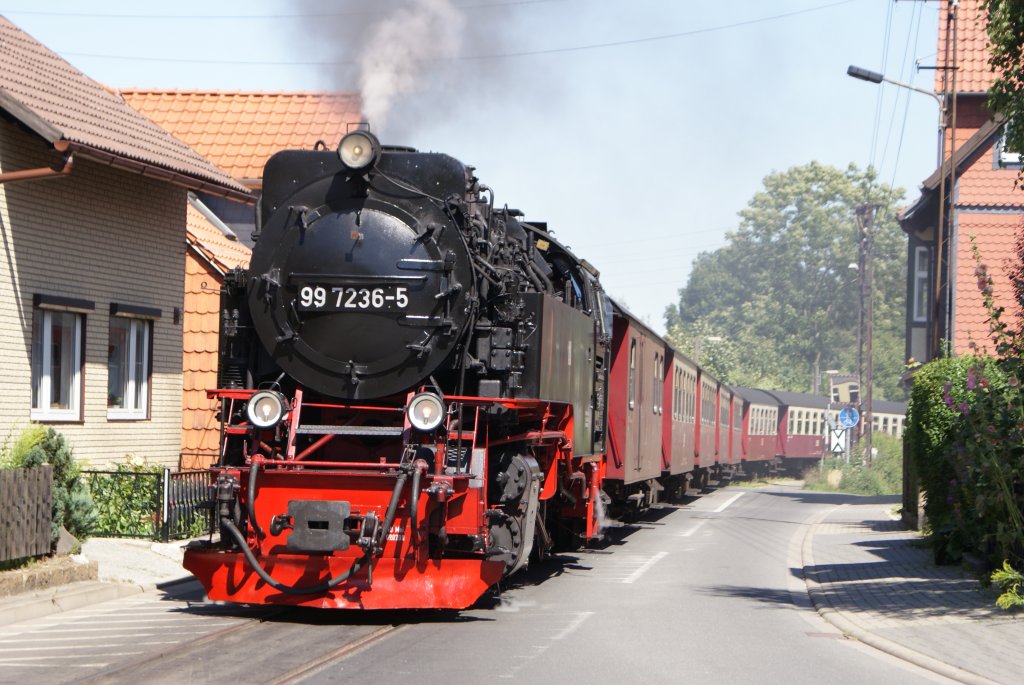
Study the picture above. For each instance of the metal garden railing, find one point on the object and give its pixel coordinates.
(156, 504)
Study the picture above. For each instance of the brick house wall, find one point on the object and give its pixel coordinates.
(985, 203)
(107, 236)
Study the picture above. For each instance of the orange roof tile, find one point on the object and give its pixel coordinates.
(60, 103)
(241, 130)
(973, 74)
(218, 248)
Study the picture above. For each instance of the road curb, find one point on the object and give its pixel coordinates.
(850, 628)
(63, 598)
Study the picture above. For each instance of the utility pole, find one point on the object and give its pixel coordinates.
(866, 367)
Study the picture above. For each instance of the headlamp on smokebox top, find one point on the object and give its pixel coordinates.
(426, 411)
(359, 150)
(265, 409)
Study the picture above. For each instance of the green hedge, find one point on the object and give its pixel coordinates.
(963, 432)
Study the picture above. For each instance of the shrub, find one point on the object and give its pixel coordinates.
(11, 455)
(1009, 582)
(888, 463)
(127, 500)
(938, 401)
(72, 503)
(883, 476)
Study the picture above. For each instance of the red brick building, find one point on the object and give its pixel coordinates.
(972, 194)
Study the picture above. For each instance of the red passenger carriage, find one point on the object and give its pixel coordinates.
(759, 453)
(636, 418)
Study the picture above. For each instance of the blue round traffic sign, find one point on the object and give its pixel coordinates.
(848, 417)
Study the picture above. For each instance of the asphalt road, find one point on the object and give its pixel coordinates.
(707, 592)
(704, 593)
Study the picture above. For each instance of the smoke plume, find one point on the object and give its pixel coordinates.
(401, 52)
(415, 62)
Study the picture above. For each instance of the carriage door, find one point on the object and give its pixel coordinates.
(636, 394)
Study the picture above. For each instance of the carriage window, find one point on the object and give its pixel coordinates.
(691, 398)
(632, 374)
(656, 389)
(676, 393)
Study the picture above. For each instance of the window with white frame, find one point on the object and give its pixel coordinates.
(920, 284)
(58, 329)
(1007, 157)
(128, 361)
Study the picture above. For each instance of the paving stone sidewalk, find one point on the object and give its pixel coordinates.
(877, 582)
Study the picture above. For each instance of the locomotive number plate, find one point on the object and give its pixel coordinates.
(320, 298)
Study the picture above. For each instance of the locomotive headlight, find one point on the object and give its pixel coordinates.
(359, 150)
(426, 411)
(265, 409)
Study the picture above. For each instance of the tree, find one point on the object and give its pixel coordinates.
(782, 291)
(1006, 48)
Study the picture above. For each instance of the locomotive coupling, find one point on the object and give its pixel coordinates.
(226, 487)
(281, 523)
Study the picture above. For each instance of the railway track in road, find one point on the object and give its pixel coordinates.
(276, 648)
(177, 637)
(327, 660)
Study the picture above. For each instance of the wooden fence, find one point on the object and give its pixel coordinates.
(25, 512)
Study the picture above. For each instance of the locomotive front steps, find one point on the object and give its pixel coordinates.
(368, 431)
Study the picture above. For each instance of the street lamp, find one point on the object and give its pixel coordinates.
(874, 77)
(942, 241)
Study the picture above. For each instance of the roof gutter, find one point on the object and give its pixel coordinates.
(148, 170)
(40, 173)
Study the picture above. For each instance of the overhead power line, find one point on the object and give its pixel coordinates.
(243, 17)
(498, 55)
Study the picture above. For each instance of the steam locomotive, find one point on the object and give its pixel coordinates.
(413, 388)
(421, 390)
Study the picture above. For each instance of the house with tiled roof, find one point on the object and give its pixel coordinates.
(971, 196)
(238, 131)
(93, 207)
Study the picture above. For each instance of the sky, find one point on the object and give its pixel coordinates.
(637, 130)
